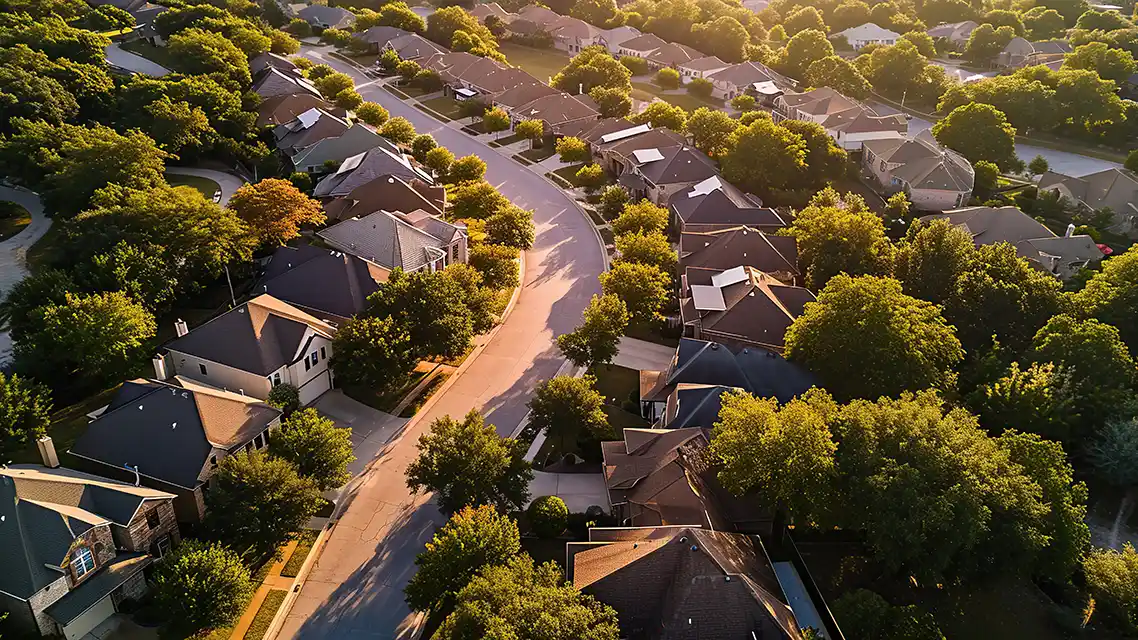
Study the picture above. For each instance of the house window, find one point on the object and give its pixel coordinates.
(323, 353)
(162, 547)
(212, 461)
(307, 364)
(82, 562)
(153, 519)
(259, 441)
(315, 358)
(276, 378)
(201, 367)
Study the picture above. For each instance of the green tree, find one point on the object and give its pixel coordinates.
(1108, 63)
(1038, 165)
(474, 538)
(651, 249)
(640, 217)
(743, 102)
(636, 66)
(667, 78)
(475, 199)
(978, 132)
(389, 60)
(421, 145)
(348, 99)
(864, 614)
(482, 301)
(1093, 20)
(1111, 296)
(285, 397)
(986, 42)
(29, 95)
(533, 130)
(611, 101)
(571, 149)
(804, 18)
(515, 598)
(92, 338)
(1043, 23)
(258, 502)
(568, 409)
(333, 83)
(865, 338)
(197, 51)
(711, 130)
(837, 234)
(110, 17)
(1038, 399)
(701, 88)
(398, 130)
(1114, 455)
(512, 227)
(590, 176)
(851, 13)
(763, 157)
(1111, 576)
(1132, 160)
(400, 16)
(613, 199)
(825, 160)
(902, 72)
(274, 210)
(803, 50)
(430, 307)
(25, 412)
(839, 74)
(318, 449)
(141, 271)
(407, 69)
(468, 168)
(439, 160)
(1094, 354)
(52, 35)
(593, 67)
(596, 340)
(1004, 18)
(468, 464)
(372, 113)
(497, 263)
(923, 42)
(44, 287)
(725, 37)
(595, 12)
(548, 516)
(785, 453)
(987, 176)
(495, 120)
(202, 585)
(643, 288)
(663, 114)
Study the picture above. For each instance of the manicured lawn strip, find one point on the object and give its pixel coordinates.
(396, 92)
(559, 181)
(520, 158)
(595, 217)
(443, 105)
(265, 614)
(385, 401)
(424, 395)
(431, 112)
(607, 236)
(205, 185)
(687, 101)
(14, 223)
(569, 174)
(304, 544)
(508, 140)
(539, 63)
(538, 154)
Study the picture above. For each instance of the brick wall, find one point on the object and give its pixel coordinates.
(44, 599)
(139, 536)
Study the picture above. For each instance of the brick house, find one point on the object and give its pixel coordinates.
(73, 546)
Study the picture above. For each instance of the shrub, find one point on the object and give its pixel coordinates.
(743, 102)
(337, 37)
(668, 78)
(638, 66)
(348, 99)
(548, 516)
(372, 113)
(572, 149)
(590, 176)
(302, 181)
(700, 88)
(285, 397)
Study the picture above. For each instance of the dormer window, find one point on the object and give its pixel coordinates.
(82, 562)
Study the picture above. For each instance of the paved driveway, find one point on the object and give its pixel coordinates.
(120, 57)
(579, 490)
(356, 587)
(371, 428)
(14, 251)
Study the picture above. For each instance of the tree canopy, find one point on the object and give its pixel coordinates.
(567, 409)
(318, 449)
(202, 585)
(839, 234)
(430, 307)
(596, 339)
(274, 210)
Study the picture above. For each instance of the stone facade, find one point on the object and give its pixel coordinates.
(133, 589)
(43, 599)
(101, 542)
(143, 532)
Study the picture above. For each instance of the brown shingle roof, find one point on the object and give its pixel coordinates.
(726, 248)
(759, 309)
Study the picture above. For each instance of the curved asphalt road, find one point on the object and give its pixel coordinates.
(14, 251)
(356, 588)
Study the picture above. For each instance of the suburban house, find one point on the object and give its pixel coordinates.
(482, 11)
(641, 46)
(537, 14)
(591, 131)
(572, 34)
(741, 306)
(333, 150)
(716, 204)
(274, 82)
(612, 39)
(284, 108)
(308, 128)
(413, 47)
(73, 546)
(1114, 189)
(522, 94)
(849, 122)
(955, 32)
(331, 285)
(1021, 52)
(270, 59)
(555, 110)
(411, 241)
(672, 55)
(700, 68)
(376, 38)
(614, 150)
(868, 33)
(699, 363)
(327, 17)
(729, 247)
(677, 583)
(933, 176)
(361, 169)
(467, 75)
(753, 78)
(171, 436)
(387, 192)
(659, 173)
(252, 348)
(1060, 256)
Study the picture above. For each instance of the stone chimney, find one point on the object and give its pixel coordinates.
(47, 452)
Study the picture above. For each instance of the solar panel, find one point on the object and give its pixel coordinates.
(644, 156)
(309, 118)
(705, 187)
(625, 133)
(729, 277)
(707, 298)
(351, 163)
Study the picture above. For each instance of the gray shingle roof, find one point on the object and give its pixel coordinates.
(756, 370)
(722, 206)
(680, 164)
(385, 239)
(379, 162)
(324, 283)
(110, 577)
(323, 14)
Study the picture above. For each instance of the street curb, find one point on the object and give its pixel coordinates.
(318, 546)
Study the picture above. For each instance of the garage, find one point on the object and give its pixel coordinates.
(315, 387)
(90, 619)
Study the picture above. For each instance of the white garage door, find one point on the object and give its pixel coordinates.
(90, 619)
(313, 388)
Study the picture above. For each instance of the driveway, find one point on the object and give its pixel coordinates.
(120, 57)
(579, 490)
(228, 182)
(356, 587)
(14, 251)
(643, 355)
(371, 428)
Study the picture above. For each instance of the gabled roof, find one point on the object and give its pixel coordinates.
(330, 285)
(556, 109)
(647, 138)
(645, 475)
(694, 405)
(673, 54)
(642, 43)
(381, 35)
(483, 10)
(820, 101)
(679, 164)
(387, 192)
(716, 202)
(361, 169)
(308, 128)
(285, 108)
(925, 164)
(617, 36)
(170, 431)
(668, 579)
(541, 16)
(592, 130)
(748, 73)
(524, 93)
(949, 29)
(733, 246)
(110, 577)
(868, 31)
(275, 82)
(1114, 188)
(862, 119)
(414, 46)
(387, 240)
(270, 59)
(109, 500)
(357, 139)
(259, 336)
(751, 307)
(706, 63)
(573, 29)
(332, 16)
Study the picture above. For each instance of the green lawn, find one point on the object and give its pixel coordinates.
(542, 64)
(538, 154)
(160, 55)
(425, 394)
(205, 185)
(445, 106)
(569, 174)
(67, 424)
(506, 141)
(386, 401)
(14, 219)
(265, 614)
(686, 101)
(304, 544)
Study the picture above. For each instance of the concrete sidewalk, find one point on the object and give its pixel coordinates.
(274, 580)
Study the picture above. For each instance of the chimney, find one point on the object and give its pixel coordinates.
(159, 362)
(47, 452)
(1070, 230)
(180, 327)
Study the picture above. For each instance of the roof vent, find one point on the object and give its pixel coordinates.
(635, 545)
(714, 346)
(695, 547)
(241, 310)
(140, 407)
(684, 539)
(174, 425)
(727, 578)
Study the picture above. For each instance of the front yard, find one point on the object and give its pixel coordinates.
(206, 186)
(445, 106)
(649, 92)
(542, 64)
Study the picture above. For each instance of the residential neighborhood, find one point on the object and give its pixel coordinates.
(579, 320)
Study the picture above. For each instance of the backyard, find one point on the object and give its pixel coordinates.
(207, 187)
(13, 219)
(542, 64)
(650, 92)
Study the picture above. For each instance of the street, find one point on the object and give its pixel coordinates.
(356, 588)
